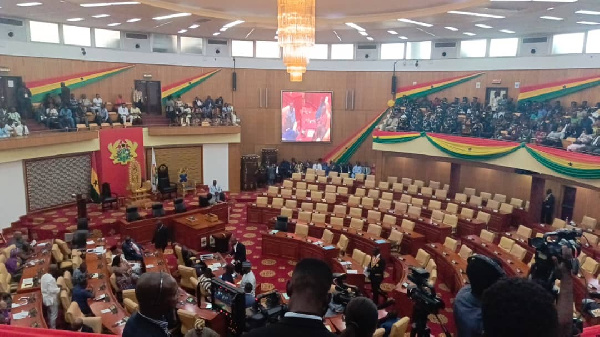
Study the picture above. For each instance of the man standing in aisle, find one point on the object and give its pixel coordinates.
(548, 207)
(50, 291)
(238, 251)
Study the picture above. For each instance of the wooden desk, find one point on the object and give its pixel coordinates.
(510, 264)
(404, 304)
(450, 266)
(357, 279)
(583, 284)
(155, 262)
(28, 302)
(194, 231)
(465, 226)
(36, 266)
(294, 247)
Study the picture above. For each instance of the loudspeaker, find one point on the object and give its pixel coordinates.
(234, 81)
(394, 84)
(281, 224)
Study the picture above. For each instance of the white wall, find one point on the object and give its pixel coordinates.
(215, 164)
(12, 193)
(36, 49)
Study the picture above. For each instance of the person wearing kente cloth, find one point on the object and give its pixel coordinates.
(375, 270)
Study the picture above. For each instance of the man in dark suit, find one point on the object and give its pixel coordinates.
(376, 269)
(309, 297)
(131, 250)
(548, 207)
(161, 236)
(238, 251)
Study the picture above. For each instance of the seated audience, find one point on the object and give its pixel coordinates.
(360, 317)
(102, 116)
(51, 117)
(126, 278)
(66, 118)
(217, 193)
(205, 280)
(124, 114)
(119, 102)
(14, 268)
(97, 104)
(136, 115)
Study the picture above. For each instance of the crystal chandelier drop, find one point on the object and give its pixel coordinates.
(296, 23)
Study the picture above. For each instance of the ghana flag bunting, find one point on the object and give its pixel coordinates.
(39, 89)
(181, 87)
(573, 164)
(425, 89)
(95, 185)
(472, 148)
(387, 137)
(548, 91)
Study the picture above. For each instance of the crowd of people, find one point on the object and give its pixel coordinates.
(215, 112)
(547, 123)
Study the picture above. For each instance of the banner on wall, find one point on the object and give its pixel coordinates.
(118, 147)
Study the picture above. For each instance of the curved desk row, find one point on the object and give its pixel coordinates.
(510, 264)
(27, 310)
(36, 266)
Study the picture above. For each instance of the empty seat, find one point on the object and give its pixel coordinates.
(395, 238)
(316, 195)
(286, 193)
(359, 177)
(367, 203)
(467, 212)
(414, 211)
(292, 204)
(301, 230)
(485, 196)
(310, 177)
(330, 198)
(287, 212)
(460, 197)
(333, 174)
(475, 200)
(357, 224)
(318, 218)
(320, 173)
(588, 222)
(406, 181)
(452, 208)
(272, 191)
(374, 229)
(277, 203)
(434, 205)
(469, 191)
(358, 256)
(435, 184)
(307, 206)
(353, 201)
(355, 212)
(373, 194)
(322, 179)
(310, 170)
(506, 244)
(451, 244)
(301, 185)
(313, 187)
(446, 187)
(524, 231)
(305, 217)
(493, 204)
(487, 236)
(366, 261)
(422, 257)
(465, 252)
(397, 187)
(417, 202)
(412, 189)
(335, 221)
(342, 190)
(388, 221)
(262, 201)
(387, 196)
(336, 181)
(373, 216)
(407, 225)
(437, 216)
(441, 194)
(371, 177)
(558, 223)
(383, 185)
(344, 175)
(348, 181)
(431, 266)
(516, 202)
(518, 252)
(419, 183)
(450, 219)
(288, 184)
(360, 192)
(296, 176)
(427, 191)
(500, 197)
(327, 237)
(590, 239)
(400, 207)
(342, 244)
(340, 210)
(321, 207)
(330, 188)
(590, 265)
(301, 194)
(506, 208)
(405, 198)
(392, 180)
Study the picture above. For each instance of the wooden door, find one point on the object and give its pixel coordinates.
(8, 90)
(568, 203)
(152, 95)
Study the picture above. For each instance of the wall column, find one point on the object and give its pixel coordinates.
(538, 193)
(454, 179)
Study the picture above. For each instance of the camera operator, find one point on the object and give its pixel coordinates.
(309, 296)
(482, 272)
(522, 307)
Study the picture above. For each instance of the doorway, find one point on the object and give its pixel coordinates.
(151, 102)
(8, 89)
(490, 92)
(568, 203)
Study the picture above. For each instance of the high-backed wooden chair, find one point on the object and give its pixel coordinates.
(374, 229)
(406, 182)
(333, 174)
(340, 210)
(186, 273)
(360, 177)
(277, 203)
(524, 231)
(342, 190)
(327, 237)
(467, 212)
(301, 230)
(288, 184)
(383, 185)
(518, 252)
(452, 208)
(558, 223)
(417, 202)
(353, 201)
(286, 193)
(318, 218)
(469, 191)
(414, 211)
(330, 198)
(434, 205)
(74, 312)
(485, 196)
(291, 204)
(395, 239)
(487, 236)
(493, 204)
(427, 191)
(367, 203)
(422, 257)
(301, 185)
(397, 187)
(465, 252)
(506, 208)
(452, 220)
(407, 225)
(385, 205)
(374, 194)
(360, 192)
(400, 207)
(337, 180)
(388, 221)
(460, 197)
(373, 216)
(273, 191)
(358, 255)
(301, 194)
(369, 184)
(335, 221)
(500, 197)
(322, 208)
(451, 244)
(399, 328)
(475, 200)
(588, 222)
(304, 216)
(441, 194)
(405, 198)
(357, 224)
(316, 195)
(518, 203)
(330, 189)
(412, 189)
(483, 216)
(506, 244)
(437, 216)
(392, 180)
(342, 243)
(590, 265)
(307, 206)
(355, 213)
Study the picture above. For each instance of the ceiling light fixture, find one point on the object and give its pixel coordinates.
(402, 37)
(171, 16)
(106, 4)
(194, 26)
(469, 34)
(363, 33)
(507, 31)
(452, 29)
(355, 26)
(29, 4)
(393, 32)
(555, 18)
(369, 38)
(181, 31)
(75, 19)
(134, 20)
(114, 24)
(481, 15)
(296, 25)
(424, 24)
(583, 11)
(481, 25)
(588, 23)
(234, 23)
(215, 34)
(223, 29)
(100, 16)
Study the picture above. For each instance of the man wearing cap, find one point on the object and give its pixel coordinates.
(248, 277)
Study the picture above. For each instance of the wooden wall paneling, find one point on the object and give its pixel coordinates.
(235, 162)
(176, 158)
(586, 203)
(416, 168)
(495, 181)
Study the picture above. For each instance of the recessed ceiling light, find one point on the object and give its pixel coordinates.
(106, 4)
(481, 25)
(550, 8)
(369, 38)
(223, 29)
(75, 19)
(100, 16)
(416, 22)
(469, 34)
(393, 32)
(234, 23)
(481, 15)
(402, 37)
(452, 29)
(194, 26)
(114, 24)
(587, 12)
(507, 31)
(355, 26)
(363, 33)
(171, 16)
(555, 18)
(215, 34)
(182, 31)
(29, 4)
(134, 20)
(588, 23)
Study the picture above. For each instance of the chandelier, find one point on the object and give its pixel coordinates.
(296, 34)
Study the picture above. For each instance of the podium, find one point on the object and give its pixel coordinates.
(81, 206)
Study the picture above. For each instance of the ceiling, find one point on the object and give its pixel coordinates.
(377, 17)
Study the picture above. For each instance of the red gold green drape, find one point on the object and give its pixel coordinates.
(554, 90)
(181, 87)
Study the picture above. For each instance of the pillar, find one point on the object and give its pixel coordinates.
(454, 179)
(536, 198)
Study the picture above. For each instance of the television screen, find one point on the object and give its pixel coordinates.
(306, 116)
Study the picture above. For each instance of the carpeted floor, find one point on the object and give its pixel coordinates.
(271, 273)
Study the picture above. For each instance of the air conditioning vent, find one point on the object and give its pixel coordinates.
(136, 36)
(160, 50)
(445, 45)
(366, 47)
(217, 42)
(11, 22)
(535, 40)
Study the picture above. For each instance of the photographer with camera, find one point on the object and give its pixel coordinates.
(482, 272)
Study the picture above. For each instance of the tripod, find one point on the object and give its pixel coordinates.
(419, 326)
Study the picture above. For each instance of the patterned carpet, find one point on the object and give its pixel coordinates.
(271, 273)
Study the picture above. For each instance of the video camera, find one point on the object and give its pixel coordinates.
(422, 293)
(344, 292)
(267, 309)
(549, 246)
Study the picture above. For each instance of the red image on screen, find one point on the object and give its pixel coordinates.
(305, 116)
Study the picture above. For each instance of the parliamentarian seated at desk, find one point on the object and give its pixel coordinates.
(131, 250)
(126, 277)
(216, 192)
(24, 247)
(13, 266)
(81, 295)
(228, 275)
(205, 282)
